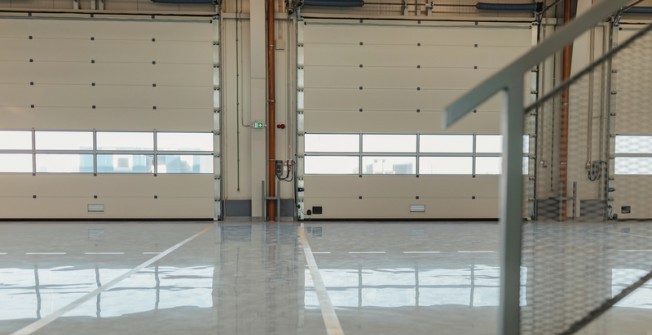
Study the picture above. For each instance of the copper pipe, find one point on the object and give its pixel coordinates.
(271, 112)
(565, 101)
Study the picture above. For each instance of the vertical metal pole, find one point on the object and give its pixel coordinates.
(271, 111)
(564, 120)
(511, 204)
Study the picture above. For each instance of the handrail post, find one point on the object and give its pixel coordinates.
(511, 207)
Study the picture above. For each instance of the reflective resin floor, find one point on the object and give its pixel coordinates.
(251, 278)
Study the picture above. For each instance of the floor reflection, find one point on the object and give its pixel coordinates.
(250, 278)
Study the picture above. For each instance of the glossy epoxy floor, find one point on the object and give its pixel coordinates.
(252, 278)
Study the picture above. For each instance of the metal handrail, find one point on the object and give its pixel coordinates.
(510, 81)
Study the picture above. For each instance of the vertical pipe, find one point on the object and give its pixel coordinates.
(563, 137)
(511, 208)
(271, 113)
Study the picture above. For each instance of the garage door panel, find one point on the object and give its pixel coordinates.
(462, 33)
(67, 196)
(400, 121)
(76, 29)
(114, 51)
(408, 187)
(631, 82)
(628, 193)
(108, 96)
(128, 119)
(396, 208)
(115, 208)
(105, 185)
(397, 78)
(409, 56)
(427, 78)
(109, 75)
(353, 98)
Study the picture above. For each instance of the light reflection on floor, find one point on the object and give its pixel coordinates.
(251, 278)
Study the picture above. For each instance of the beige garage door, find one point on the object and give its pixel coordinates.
(370, 108)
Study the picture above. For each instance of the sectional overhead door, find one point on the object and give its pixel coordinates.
(631, 168)
(370, 106)
(109, 118)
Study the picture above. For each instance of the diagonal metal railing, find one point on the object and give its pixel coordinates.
(510, 81)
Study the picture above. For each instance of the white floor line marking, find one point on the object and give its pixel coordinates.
(151, 252)
(320, 252)
(33, 327)
(422, 252)
(367, 252)
(475, 251)
(331, 321)
(633, 250)
(45, 253)
(3, 253)
(104, 253)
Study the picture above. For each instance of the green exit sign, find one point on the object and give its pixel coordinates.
(258, 125)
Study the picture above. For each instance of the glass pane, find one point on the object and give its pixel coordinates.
(489, 143)
(633, 144)
(634, 165)
(445, 165)
(389, 165)
(15, 140)
(331, 165)
(332, 142)
(488, 165)
(389, 143)
(64, 140)
(125, 141)
(446, 143)
(184, 141)
(125, 163)
(494, 165)
(16, 163)
(185, 164)
(61, 163)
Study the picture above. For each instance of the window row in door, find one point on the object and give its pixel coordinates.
(148, 152)
(405, 154)
(633, 155)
